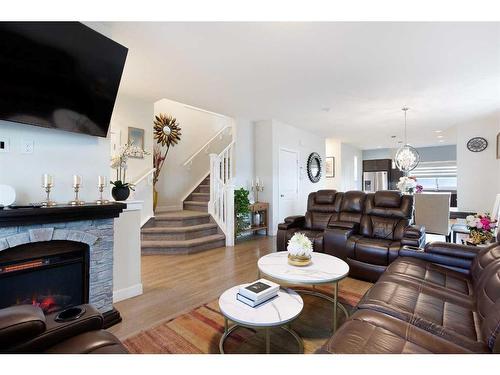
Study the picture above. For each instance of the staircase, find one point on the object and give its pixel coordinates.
(183, 232)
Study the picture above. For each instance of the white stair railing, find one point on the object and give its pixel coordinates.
(221, 204)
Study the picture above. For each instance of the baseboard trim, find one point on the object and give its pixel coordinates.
(126, 293)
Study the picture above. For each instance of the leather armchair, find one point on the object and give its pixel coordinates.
(379, 227)
(25, 329)
(322, 206)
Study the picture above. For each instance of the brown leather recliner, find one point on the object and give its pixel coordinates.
(444, 298)
(25, 329)
(371, 230)
(322, 206)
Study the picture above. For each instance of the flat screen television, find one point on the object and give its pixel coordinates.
(61, 75)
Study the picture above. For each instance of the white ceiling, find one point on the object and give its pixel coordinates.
(447, 73)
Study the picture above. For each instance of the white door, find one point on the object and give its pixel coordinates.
(288, 183)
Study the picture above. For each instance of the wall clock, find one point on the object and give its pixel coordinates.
(477, 144)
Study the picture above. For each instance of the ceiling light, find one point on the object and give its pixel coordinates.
(438, 131)
(325, 109)
(441, 141)
(406, 158)
(440, 136)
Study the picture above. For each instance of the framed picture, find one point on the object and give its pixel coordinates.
(136, 137)
(498, 146)
(330, 167)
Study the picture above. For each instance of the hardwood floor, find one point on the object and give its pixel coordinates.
(176, 284)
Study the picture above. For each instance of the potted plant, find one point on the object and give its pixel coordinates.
(167, 132)
(241, 210)
(121, 188)
(300, 249)
(481, 229)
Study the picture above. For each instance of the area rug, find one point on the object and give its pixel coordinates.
(200, 330)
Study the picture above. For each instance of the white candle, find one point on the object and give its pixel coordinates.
(77, 180)
(102, 181)
(258, 184)
(252, 183)
(47, 180)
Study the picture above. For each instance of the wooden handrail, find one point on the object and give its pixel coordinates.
(206, 144)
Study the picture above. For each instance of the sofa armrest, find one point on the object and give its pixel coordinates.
(456, 263)
(57, 331)
(292, 222)
(343, 225)
(19, 324)
(452, 250)
(413, 235)
(335, 240)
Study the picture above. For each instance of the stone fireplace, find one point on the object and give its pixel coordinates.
(44, 250)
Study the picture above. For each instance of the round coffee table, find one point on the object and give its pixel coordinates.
(277, 312)
(324, 269)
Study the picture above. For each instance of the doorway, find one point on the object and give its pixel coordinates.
(288, 183)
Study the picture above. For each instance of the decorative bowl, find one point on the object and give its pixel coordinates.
(298, 260)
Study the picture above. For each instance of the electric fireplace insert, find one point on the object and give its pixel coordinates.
(53, 275)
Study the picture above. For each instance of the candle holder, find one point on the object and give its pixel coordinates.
(47, 202)
(101, 200)
(48, 184)
(76, 201)
(258, 187)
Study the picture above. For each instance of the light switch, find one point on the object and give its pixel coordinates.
(27, 146)
(4, 145)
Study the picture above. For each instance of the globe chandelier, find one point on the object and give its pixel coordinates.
(406, 158)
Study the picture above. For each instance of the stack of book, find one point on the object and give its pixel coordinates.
(258, 292)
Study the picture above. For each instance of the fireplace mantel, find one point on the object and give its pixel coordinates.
(29, 216)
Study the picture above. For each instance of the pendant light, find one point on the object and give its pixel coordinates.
(406, 158)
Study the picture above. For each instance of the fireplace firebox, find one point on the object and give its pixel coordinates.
(53, 275)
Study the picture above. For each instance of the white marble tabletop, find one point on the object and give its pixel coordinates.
(323, 268)
(276, 312)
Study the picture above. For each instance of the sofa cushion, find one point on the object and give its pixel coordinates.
(370, 332)
(434, 313)
(372, 250)
(433, 275)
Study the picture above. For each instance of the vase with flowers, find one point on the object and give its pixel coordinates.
(121, 188)
(300, 249)
(481, 229)
(409, 185)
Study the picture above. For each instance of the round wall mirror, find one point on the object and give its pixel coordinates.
(314, 167)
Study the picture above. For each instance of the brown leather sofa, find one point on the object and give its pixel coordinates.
(444, 298)
(365, 230)
(25, 329)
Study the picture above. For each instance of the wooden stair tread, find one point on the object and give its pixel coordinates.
(191, 228)
(196, 203)
(181, 215)
(183, 243)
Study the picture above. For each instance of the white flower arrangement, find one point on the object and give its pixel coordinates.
(407, 184)
(300, 245)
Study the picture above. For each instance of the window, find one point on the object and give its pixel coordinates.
(437, 175)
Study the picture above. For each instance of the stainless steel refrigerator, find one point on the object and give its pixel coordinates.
(375, 181)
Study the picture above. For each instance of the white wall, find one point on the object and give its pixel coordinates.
(135, 112)
(333, 148)
(270, 136)
(351, 174)
(244, 153)
(478, 179)
(197, 127)
(56, 152)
